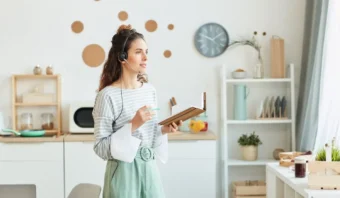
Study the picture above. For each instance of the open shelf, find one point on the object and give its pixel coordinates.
(35, 104)
(32, 76)
(259, 162)
(260, 121)
(263, 80)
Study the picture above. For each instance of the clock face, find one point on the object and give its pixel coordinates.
(211, 39)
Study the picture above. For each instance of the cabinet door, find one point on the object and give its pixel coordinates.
(38, 164)
(191, 170)
(82, 165)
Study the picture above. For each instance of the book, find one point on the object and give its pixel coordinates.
(185, 114)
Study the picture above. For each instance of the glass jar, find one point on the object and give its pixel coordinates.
(26, 121)
(300, 167)
(47, 121)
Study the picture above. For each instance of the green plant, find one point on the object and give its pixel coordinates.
(250, 42)
(321, 154)
(249, 140)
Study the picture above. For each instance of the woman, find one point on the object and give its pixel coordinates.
(126, 128)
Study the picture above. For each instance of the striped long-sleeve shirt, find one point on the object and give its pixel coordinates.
(108, 107)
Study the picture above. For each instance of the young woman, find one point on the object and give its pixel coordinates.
(126, 127)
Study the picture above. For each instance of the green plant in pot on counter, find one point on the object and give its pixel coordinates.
(321, 154)
(249, 146)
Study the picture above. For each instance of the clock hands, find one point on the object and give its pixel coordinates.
(218, 35)
(207, 37)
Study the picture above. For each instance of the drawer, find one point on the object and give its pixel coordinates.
(42, 151)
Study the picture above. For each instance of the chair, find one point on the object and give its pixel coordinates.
(85, 190)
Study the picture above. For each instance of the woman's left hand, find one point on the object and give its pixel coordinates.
(173, 127)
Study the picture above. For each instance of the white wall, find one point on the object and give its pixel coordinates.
(38, 32)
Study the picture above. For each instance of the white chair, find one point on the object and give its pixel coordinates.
(85, 190)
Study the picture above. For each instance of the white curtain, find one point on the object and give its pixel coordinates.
(329, 104)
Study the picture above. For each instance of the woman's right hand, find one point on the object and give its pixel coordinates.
(143, 115)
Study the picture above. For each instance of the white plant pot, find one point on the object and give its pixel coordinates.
(249, 153)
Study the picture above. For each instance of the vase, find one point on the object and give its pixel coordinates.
(259, 68)
(249, 153)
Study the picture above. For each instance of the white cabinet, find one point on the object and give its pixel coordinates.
(82, 165)
(40, 164)
(190, 171)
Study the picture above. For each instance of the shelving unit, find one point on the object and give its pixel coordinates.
(231, 127)
(17, 104)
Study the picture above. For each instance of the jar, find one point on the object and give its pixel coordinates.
(49, 70)
(300, 167)
(47, 121)
(26, 121)
(204, 119)
(37, 70)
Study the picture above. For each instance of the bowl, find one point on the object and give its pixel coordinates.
(239, 74)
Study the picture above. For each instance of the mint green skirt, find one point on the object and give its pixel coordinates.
(138, 179)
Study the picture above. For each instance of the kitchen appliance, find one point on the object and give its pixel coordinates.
(80, 117)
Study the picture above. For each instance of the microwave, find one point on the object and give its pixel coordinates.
(80, 117)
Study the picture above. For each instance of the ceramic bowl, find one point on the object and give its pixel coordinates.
(239, 75)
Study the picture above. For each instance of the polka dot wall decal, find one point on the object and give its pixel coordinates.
(123, 15)
(167, 53)
(151, 25)
(93, 55)
(77, 26)
(170, 26)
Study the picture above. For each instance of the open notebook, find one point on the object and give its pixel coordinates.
(186, 113)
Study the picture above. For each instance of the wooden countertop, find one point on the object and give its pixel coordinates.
(89, 137)
(18, 139)
(173, 136)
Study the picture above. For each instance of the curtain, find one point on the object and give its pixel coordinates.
(329, 118)
(311, 74)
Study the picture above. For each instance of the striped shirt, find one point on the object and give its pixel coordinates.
(108, 107)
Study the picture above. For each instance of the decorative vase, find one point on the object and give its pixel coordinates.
(37, 70)
(259, 68)
(276, 153)
(49, 70)
(249, 153)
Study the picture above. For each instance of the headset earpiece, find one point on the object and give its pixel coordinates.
(122, 56)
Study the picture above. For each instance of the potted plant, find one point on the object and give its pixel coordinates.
(249, 146)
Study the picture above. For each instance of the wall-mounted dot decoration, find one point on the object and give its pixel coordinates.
(171, 26)
(77, 27)
(122, 15)
(151, 25)
(93, 55)
(167, 53)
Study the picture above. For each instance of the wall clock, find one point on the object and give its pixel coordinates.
(211, 39)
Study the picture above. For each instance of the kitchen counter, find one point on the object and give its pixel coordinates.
(18, 139)
(89, 137)
(172, 136)
(281, 182)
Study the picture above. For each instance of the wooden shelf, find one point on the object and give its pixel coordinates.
(32, 76)
(74, 137)
(57, 104)
(35, 104)
(258, 162)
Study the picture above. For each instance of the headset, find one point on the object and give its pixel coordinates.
(122, 56)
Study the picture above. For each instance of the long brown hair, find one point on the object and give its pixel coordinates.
(112, 70)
